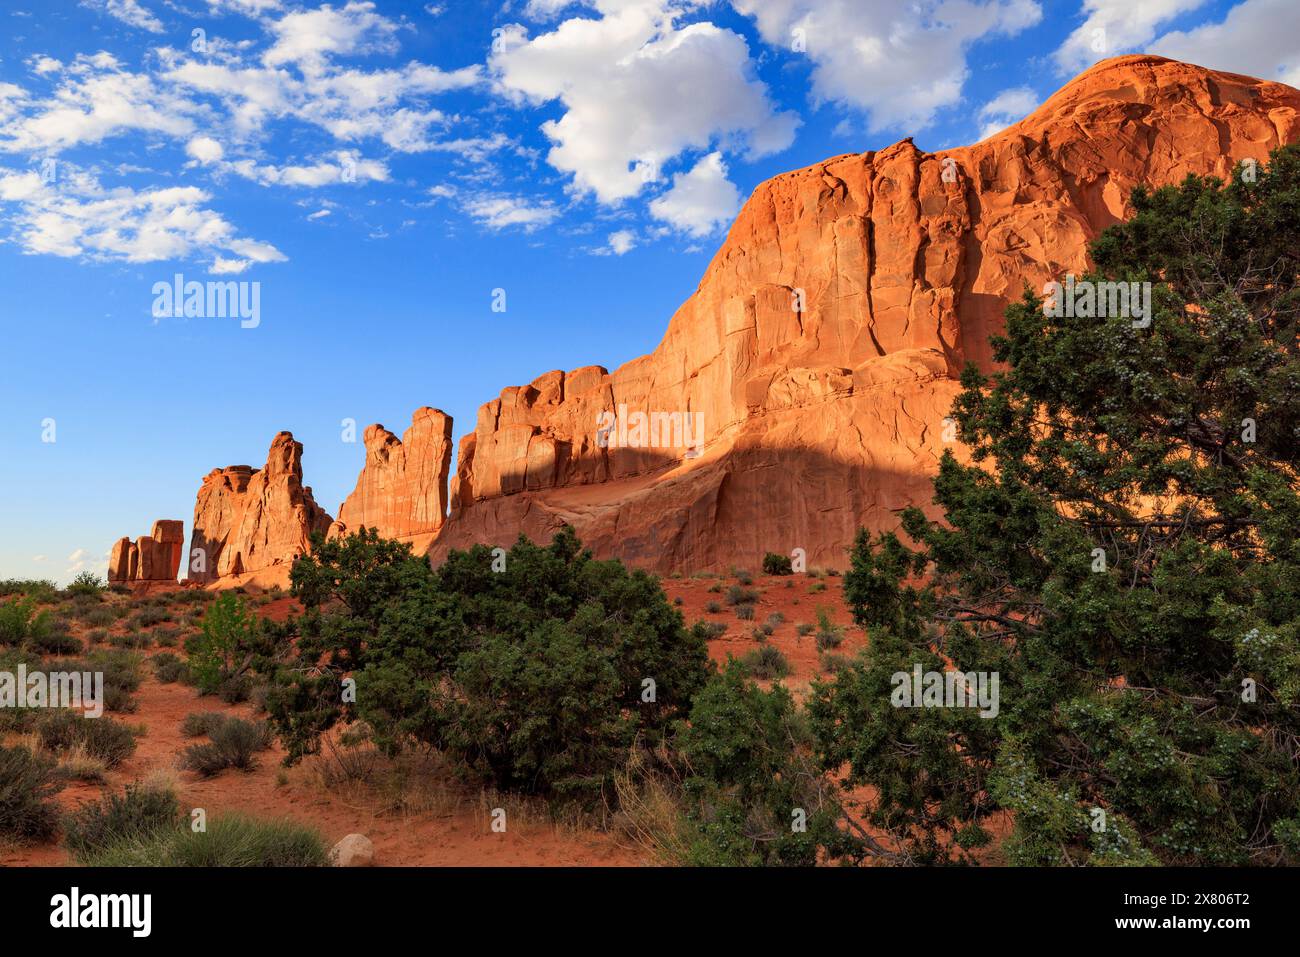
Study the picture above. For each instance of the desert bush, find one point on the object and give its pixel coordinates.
(742, 576)
(169, 668)
(765, 663)
(232, 840)
(229, 634)
(829, 634)
(200, 723)
(533, 675)
(103, 738)
(41, 591)
(86, 583)
(804, 628)
(121, 670)
(236, 689)
(738, 595)
(713, 608)
(55, 640)
(711, 629)
(751, 760)
(775, 564)
(20, 621)
(100, 617)
(151, 615)
(234, 744)
(136, 814)
(762, 632)
(27, 788)
(745, 612)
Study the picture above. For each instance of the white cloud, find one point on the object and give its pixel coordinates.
(499, 212)
(1256, 37)
(78, 217)
(637, 91)
(1009, 106)
(619, 243)
(128, 11)
(82, 560)
(699, 201)
(319, 214)
(899, 61)
(344, 167)
(308, 38)
(1112, 27)
(251, 8)
(95, 99)
(204, 149)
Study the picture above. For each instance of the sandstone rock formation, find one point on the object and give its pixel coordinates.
(402, 488)
(156, 557)
(822, 346)
(249, 521)
(802, 391)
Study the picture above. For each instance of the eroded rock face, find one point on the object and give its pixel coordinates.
(820, 352)
(402, 488)
(249, 520)
(155, 557)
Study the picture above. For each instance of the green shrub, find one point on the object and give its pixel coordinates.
(44, 591)
(762, 632)
(737, 595)
(235, 743)
(533, 675)
(711, 629)
(233, 840)
(774, 564)
(766, 663)
(742, 576)
(229, 630)
(100, 617)
(136, 814)
(713, 608)
(27, 785)
(55, 640)
(103, 738)
(151, 615)
(200, 723)
(236, 689)
(803, 629)
(829, 634)
(20, 621)
(86, 583)
(745, 612)
(169, 668)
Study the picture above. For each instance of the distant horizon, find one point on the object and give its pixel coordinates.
(382, 169)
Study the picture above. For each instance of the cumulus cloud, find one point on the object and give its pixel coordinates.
(1256, 37)
(638, 90)
(128, 11)
(500, 212)
(1112, 27)
(1009, 106)
(78, 217)
(701, 200)
(898, 61)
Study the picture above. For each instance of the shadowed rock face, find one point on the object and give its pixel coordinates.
(821, 349)
(402, 489)
(249, 520)
(801, 392)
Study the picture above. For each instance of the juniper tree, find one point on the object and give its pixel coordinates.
(1124, 549)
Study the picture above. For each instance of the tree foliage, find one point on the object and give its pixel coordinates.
(1124, 550)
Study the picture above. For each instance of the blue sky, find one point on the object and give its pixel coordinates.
(380, 168)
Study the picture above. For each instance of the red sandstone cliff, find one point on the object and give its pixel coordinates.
(814, 365)
(250, 522)
(821, 346)
(155, 557)
(402, 488)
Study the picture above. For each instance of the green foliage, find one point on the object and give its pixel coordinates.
(534, 674)
(754, 796)
(766, 663)
(86, 583)
(200, 723)
(27, 787)
(136, 814)
(775, 564)
(234, 744)
(169, 668)
(103, 738)
(20, 622)
(1124, 552)
(226, 645)
(233, 840)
